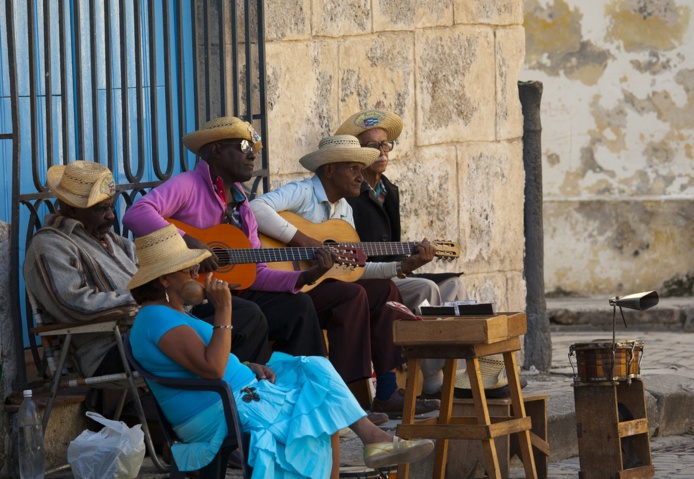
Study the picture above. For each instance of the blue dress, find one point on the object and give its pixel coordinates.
(290, 424)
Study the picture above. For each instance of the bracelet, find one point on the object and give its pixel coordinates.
(224, 326)
(304, 276)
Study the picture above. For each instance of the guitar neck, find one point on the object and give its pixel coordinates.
(386, 248)
(264, 255)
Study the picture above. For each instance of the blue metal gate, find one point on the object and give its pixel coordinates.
(118, 82)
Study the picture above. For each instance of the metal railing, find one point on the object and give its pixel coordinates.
(119, 82)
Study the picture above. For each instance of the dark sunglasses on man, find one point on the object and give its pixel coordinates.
(245, 145)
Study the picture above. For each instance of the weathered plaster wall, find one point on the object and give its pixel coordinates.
(450, 69)
(618, 145)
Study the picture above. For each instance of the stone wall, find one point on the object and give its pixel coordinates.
(450, 70)
(618, 125)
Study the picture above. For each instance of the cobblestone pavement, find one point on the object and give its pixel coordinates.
(672, 457)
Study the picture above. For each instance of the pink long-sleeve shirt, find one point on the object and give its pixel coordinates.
(190, 197)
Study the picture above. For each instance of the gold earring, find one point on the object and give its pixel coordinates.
(166, 295)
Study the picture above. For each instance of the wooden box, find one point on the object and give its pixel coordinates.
(459, 330)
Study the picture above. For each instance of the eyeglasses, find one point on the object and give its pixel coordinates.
(192, 271)
(245, 145)
(386, 146)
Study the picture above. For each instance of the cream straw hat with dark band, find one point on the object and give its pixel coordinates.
(369, 119)
(81, 183)
(492, 370)
(339, 149)
(223, 128)
(163, 252)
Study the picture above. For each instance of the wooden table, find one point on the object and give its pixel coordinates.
(469, 338)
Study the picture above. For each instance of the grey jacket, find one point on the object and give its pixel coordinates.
(77, 280)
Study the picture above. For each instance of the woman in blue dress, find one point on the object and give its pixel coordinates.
(293, 407)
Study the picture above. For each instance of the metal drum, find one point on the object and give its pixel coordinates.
(601, 360)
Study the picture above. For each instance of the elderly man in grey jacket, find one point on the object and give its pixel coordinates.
(77, 267)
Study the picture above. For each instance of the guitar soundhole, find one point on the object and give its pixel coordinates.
(221, 250)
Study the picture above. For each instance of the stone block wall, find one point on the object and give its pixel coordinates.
(449, 69)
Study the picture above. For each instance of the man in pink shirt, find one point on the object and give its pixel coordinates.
(212, 194)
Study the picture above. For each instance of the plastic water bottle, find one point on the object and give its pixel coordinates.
(30, 440)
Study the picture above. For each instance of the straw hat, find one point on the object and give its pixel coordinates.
(492, 371)
(339, 149)
(368, 119)
(223, 128)
(81, 183)
(163, 252)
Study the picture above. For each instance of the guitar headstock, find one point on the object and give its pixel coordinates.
(348, 256)
(446, 250)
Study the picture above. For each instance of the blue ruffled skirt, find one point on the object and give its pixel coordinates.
(291, 423)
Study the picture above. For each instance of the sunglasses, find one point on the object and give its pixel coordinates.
(192, 271)
(386, 146)
(245, 145)
(250, 395)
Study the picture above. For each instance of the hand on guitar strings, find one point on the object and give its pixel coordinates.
(325, 259)
(425, 253)
(208, 264)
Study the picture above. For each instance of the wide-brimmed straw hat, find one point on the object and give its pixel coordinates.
(339, 149)
(369, 119)
(81, 183)
(223, 128)
(163, 252)
(492, 371)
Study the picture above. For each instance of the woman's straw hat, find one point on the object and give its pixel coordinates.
(368, 119)
(163, 252)
(81, 184)
(223, 128)
(339, 149)
(492, 371)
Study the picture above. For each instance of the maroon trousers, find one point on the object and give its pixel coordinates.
(359, 326)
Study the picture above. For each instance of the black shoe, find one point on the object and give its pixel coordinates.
(393, 407)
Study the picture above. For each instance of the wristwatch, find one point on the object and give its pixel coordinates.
(398, 271)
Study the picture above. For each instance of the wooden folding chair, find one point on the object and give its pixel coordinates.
(56, 340)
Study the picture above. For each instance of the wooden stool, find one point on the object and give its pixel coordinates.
(469, 338)
(465, 456)
(610, 447)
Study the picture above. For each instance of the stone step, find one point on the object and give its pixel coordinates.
(595, 313)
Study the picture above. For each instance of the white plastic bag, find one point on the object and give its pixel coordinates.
(115, 452)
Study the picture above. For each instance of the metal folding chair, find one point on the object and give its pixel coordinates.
(56, 340)
(235, 438)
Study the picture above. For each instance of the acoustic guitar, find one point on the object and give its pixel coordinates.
(237, 260)
(339, 233)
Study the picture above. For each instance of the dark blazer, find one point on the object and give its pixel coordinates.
(376, 223)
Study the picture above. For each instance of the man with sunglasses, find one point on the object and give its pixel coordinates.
(212, 194)
(377, 218)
